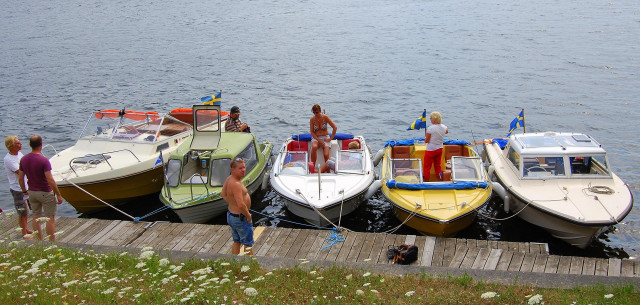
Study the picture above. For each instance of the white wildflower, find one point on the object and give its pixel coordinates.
(313, 272)
(374, 291)
(163, 262)
(224, 280)
(140, 265)
(409, 293)
(96, 282)
(536, 299)
(359, 292)
(366, 284)
(14, 268)
(608, 296)
(146, 254)
(224, 264)
(244, 268)
(488, 295)
(110, 290)
(184, 300)
(42, 219)
(178, 268)
(252, 292)
(349, 277)
(147, 248)
(367, 274)
(50, 248)
(320, 278)
(124, 253)
(67, 284)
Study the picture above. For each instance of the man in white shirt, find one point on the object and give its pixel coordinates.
(12, 165)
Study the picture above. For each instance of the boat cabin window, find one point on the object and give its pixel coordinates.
(294, 163)
(250, 157)
(350, 161)
(207, 120)
(514, 157)
(466, 169)
(173, 172)
(220, 170)
(543, 166)
(589, 165)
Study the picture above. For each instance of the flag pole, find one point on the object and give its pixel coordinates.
(524, 128)
(425, 124)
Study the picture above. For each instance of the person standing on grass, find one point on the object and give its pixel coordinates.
(43, 191)
(12, 165)
(238, 216)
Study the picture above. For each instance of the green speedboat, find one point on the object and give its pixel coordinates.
(196, 171)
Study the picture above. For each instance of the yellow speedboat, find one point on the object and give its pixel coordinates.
(438, 208)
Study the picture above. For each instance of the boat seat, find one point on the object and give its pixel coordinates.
(401, 152)
(298, 146)
(454, 150)
(345, 143)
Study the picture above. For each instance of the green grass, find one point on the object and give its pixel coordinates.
(43, 273)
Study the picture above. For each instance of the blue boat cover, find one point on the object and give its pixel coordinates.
(411, 141)
(461, 185)
(307, 136)
(501, 142)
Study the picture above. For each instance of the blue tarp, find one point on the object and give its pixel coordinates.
(411, 141)
(461, 185)
(307, 136)
(501, 142)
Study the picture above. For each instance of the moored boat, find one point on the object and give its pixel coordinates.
(322, 199)
(117, 157)
(561, 182)
(438, 208)
(197, 170)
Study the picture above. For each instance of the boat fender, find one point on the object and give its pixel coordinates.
(490, 171)
(378, 157)
(483, 155)
(372, 189)
(265, 182)
(500, 190)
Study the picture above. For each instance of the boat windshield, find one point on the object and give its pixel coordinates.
(350, 161)
(294, 163)
(406, 170)
(594, 165)
(142, 127)
(467, 169)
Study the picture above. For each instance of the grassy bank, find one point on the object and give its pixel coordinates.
(43, 273)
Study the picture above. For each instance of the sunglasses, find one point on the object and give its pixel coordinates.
(237, 160)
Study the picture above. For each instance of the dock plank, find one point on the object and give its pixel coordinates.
(307, 245)
(347, 246)
(287, 243)
(589, 266)
(458, 257)
(438, 252)
(481, 258)
(183, 230)
(552, 264)
(516, 261)
(614, 267)
(367, 245)
(67, 238)
(602, 266)
(449, 251)
(427, 256)
(626, 268)
(267, 241)
(505, 259)
(296, 245)
(380, 247)
(576, 265)
(90, 232)
(494, 258)
(469, 258)
(277, 243)
(564, 265)
(186, 243)
(204, 237)
(527, 262)
(357, 246)
(540, 263)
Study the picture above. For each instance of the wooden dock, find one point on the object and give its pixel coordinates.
(358, 247)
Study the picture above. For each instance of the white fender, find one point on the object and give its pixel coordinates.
(500, 190)
(265, 181)
(490, 171)
(378, 157)
(372, 189)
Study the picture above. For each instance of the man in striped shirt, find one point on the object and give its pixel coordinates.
(234, 123)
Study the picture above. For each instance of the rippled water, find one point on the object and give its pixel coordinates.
(373, 66)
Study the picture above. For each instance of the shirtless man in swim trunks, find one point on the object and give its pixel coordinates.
(320, 134)
(238, 216)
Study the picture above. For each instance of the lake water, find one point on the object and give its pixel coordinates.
(372, 65)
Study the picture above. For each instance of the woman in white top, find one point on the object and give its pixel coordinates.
(434, 140)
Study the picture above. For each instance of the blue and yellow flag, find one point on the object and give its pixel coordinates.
(421, 122)
(213, 99)
(517, 122)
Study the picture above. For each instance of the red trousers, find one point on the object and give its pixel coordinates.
(432, 157)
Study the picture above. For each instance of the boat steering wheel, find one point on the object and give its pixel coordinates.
(537, 168)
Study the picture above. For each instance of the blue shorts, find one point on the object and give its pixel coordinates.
(241, 230)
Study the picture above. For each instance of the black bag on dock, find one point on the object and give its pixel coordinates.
(403, 254)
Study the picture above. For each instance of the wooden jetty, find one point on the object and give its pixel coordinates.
(358, 247)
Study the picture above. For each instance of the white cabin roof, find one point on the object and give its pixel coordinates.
(555, 143)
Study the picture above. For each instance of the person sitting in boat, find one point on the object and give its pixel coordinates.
(434, 139)
(234, 124)
(320, 134)
(350, 163)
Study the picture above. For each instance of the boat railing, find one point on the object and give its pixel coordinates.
(203, 183)
(102, 155)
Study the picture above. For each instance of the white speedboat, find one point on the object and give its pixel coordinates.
(118, 157)
(323, 198)
(561, 182)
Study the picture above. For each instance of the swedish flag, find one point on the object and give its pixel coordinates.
(421, 122)
(213, 99)
(517, 122)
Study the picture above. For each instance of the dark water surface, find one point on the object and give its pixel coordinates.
(373, 66)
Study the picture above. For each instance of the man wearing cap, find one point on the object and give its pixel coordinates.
(234, 124)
